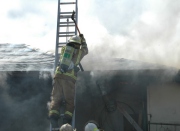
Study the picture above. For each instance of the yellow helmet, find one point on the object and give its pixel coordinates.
(75, 39)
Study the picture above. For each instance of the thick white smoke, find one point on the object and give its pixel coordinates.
(20, 57)
(145, 30)
(139, 30)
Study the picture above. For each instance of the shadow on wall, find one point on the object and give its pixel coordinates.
(23, 100)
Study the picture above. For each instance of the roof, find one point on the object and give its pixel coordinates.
(120, 64)
(20, 57)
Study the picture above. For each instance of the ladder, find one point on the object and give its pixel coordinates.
(65, 29)
(65, 22)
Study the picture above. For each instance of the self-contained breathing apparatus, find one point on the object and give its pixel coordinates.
(67, 53)
(66, 59)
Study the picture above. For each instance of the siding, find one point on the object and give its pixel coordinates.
(164, 105)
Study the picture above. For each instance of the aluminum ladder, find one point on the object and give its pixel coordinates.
(65, 29)
(64, 21)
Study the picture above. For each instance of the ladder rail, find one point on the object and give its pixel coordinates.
(57, 38)
(62, 35)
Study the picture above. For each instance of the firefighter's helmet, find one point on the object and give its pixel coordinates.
(91, 127)
(66, 127)
(75, 39)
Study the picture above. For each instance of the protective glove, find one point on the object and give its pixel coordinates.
(82, 38)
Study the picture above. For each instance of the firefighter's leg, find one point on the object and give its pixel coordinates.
(55, 103)
(69, 93)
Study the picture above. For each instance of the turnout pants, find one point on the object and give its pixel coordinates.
(62, 87)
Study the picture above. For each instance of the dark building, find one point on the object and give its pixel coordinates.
(26, 83)
(114, 92)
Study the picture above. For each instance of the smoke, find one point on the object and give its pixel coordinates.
(23, 98)
(25, 86)
(20, 57)
(144, 31)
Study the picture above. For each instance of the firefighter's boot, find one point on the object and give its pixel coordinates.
(67, 119)
(54, 123)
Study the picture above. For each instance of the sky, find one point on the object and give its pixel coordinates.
(142, 30)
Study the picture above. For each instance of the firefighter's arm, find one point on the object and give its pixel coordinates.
(84, 47)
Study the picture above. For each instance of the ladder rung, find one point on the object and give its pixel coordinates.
(65, 35)
(66, 22)
(63, 3)
(62, 43)
(66, 25)
(65, 12)
(66, 32)
(66, 16)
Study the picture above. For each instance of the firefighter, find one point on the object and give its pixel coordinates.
(92, 126)
(65, 79)
(66, 127)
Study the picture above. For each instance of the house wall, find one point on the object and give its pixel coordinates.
(23, 100)
(164, 106)
(90, 103)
